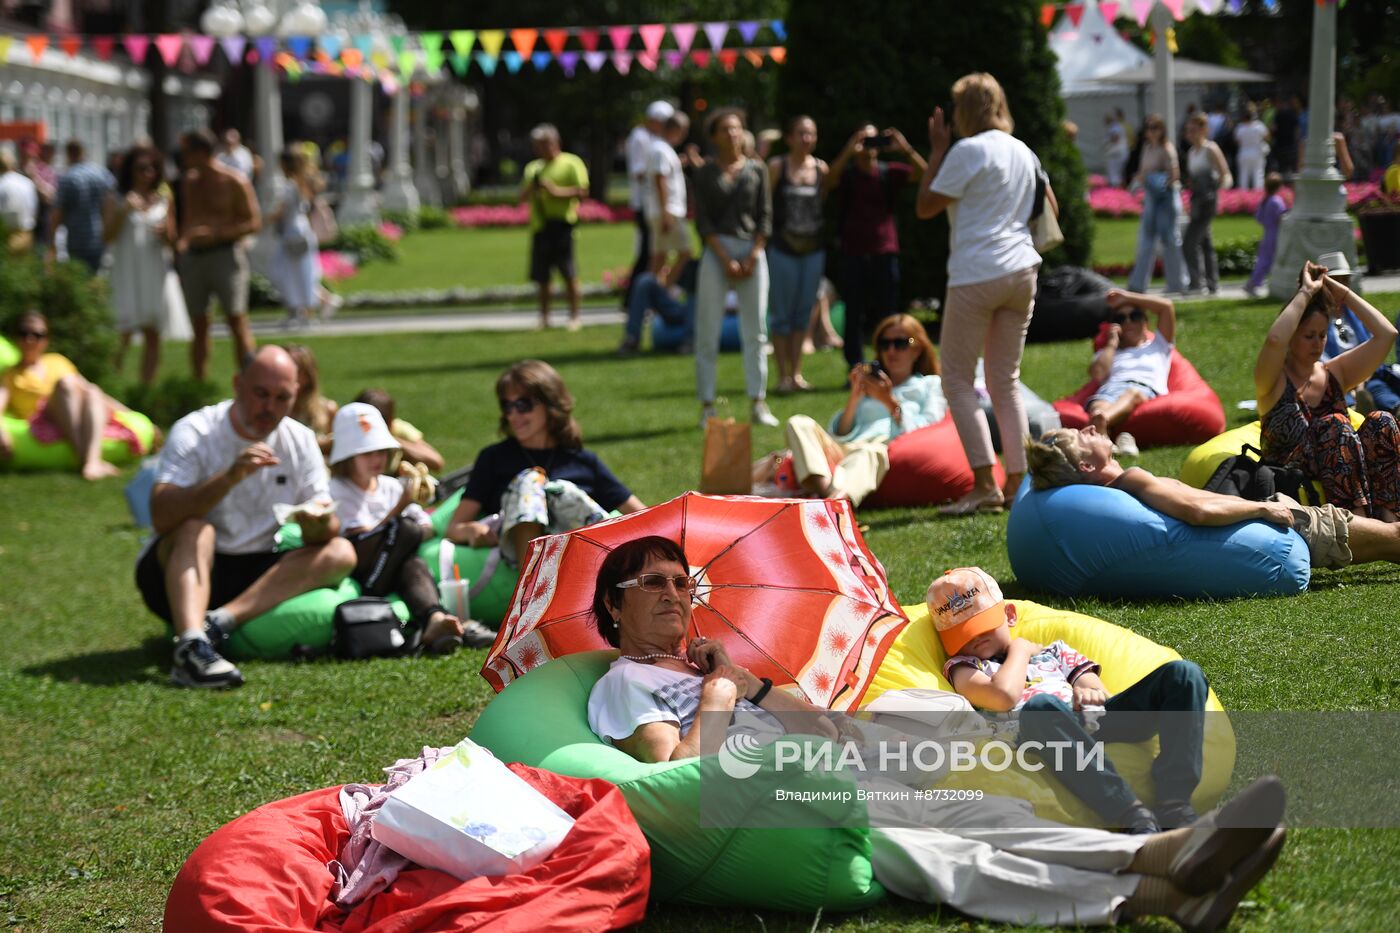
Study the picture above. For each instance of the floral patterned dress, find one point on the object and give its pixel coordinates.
(1359, 469)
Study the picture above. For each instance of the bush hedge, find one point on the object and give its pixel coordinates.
(77, 307)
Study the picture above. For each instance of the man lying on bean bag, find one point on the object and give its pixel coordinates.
(1335, 537)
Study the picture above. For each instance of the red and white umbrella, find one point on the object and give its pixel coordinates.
(787, 585)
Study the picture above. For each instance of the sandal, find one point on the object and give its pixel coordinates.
(989, 502)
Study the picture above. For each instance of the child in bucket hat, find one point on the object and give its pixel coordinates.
(380, 516)
(1058, 696)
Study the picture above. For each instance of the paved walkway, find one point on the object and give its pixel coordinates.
(524, 318)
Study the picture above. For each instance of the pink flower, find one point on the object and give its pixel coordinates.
(336, 265)
(391, 231)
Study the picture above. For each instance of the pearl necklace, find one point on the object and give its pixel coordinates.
(643, 658)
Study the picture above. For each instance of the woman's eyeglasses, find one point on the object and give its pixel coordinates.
(894, 343)
(31, 334)
(524, 405)
(1137, 314)
(657, 583)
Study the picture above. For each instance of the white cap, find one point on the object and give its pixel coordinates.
(1336, 264)
(359, 429)
(659, 110)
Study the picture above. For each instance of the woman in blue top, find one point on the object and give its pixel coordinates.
(540, 479)
(899, 393)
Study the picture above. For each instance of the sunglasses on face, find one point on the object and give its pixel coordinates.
(657, 583)
(524, 405)
(1137, 314)
(894, 343)
(32, 334)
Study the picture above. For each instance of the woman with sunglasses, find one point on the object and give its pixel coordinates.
(540, 479)
(138, 223)
(46, 390)
(1133, 363)
(899, 393)
(1159, 176)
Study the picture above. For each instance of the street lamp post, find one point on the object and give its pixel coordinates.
(1318, 222)
(399, 192)
(360, 203)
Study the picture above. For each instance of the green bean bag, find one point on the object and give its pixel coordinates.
(9, 354)
(305, 622)
(714, 840)
(32, 455)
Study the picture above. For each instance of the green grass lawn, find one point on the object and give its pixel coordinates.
(485, 257)
(112, 777)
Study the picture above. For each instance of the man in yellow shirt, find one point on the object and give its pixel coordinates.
(555, 182)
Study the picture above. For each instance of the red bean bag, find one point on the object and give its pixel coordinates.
(266, 872)
(1190, 412)
(926, 466)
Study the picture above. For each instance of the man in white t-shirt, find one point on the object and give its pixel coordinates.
(1133, 364)
(212, 566)
(638, 152)
(235, 155)
(19, 206)
(664, 202)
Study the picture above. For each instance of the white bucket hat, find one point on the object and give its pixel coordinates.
(1336, 263)
(660, 111)
(359, 428)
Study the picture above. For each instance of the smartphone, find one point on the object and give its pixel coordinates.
(873, 368)
(876, 142)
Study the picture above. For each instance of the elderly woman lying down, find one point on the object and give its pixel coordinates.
(991, 858)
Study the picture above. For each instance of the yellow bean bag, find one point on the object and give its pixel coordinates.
(1201, 463)
(916, 660)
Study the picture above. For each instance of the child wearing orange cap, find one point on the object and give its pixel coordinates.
(1061, 688)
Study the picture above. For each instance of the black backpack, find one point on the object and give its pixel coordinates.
(1250, 478)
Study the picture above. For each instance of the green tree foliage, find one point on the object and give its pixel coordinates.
(76, 305)
(891, 64)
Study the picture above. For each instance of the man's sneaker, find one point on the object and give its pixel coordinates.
(197, 664)
(214, 632)
(628, 347)
(1125, 445)
(476, 635)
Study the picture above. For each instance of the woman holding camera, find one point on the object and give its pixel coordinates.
(987, 184)
(899, 393)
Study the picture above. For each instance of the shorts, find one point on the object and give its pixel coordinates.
(1110, 391)
(221, 271)
(231, 575)
(552, 248)
(677, 241)
(1326, 530)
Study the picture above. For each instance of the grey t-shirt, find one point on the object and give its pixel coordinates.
(739, 206)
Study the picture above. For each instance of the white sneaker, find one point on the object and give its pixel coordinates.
(1125, 445)
(760, 414)
(1251, 291)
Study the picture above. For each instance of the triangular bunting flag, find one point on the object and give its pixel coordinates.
(408, 63)
(300, 47)
(716, 33)
(622, 61)
(430, 42)
(588, 38)
(541, 60)
(233, 47)
(674, 58)
(432, 62)
(554, 40)
(491, 40)
(267, 47)
(70, 45)
(513, 60)
(1173, 7)
(779, 29)
(685, 35)
(365, 45)
(652, 34)
(352, 58)
(1075, 12)
(459, 63)
(331, 46)
(747, 30)
(729, 58)
(701, 57)
(619, 36)
(647, 60)
(755, 57)
(170, 47)
(568, 61)
(1047, 15)
(1141, 10)
(463, 40)
(36, 44)
(524, 41)
(5, 43)
(487, 63)
(136, 47)
(595, 60)
(399, 43)
(778, 53)
(102, 45)
(1109, 11)
(203, 48)
(1207, 6)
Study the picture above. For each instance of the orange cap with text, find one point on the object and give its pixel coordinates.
(963, 604)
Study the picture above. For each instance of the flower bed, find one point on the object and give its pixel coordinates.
(1115, 202)
(518, 215)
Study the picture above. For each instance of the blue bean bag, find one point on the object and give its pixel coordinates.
(1082, 540)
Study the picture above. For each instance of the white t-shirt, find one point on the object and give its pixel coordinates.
(991, 177)
(663, 161)
(238, 159)
(638, 148)
(632, 694)
(1145, 364)
(362, 509)
(1249, 139)
(203, 444)
(19, 202)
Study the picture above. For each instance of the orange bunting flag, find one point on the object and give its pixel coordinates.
(1047, 15)
(524, 40)
(352, 58)
(555, 39)
(36, 44)
(755, 57)
(778, 53)
(728, 58)
(70, 44)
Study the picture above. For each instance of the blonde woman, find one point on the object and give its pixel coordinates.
(296, 264)
(987, 185)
